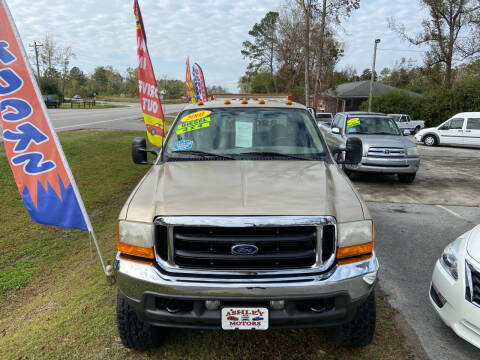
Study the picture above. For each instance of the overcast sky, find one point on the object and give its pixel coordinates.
(211, 32)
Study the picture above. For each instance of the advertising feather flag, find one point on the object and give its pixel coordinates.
(199, 81)
(190, 90)
(149, 96)
(33, 150)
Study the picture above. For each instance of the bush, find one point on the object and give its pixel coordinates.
(395, 102)
(435, 106)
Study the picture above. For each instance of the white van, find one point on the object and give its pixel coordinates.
(462, 129)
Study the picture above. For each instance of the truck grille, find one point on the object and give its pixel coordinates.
(278, 247)
(384, 152)
(472, 292)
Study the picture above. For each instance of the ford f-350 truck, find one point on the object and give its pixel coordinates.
(245, 221)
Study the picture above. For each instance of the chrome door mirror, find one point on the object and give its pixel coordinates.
(336, 130)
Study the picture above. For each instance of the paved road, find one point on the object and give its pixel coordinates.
(411, 235)
(128, 117)
(409, 240)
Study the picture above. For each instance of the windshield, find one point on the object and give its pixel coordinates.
(395, 117)
(372, 126)
(243, 133)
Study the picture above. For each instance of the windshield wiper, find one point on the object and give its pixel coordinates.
(202, 154)
(271, 153)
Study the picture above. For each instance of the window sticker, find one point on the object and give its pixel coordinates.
(243, 134)
(196, 116)
(193, 125)
(353, 122)
(183, 145)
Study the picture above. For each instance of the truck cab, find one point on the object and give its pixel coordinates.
(245, 221)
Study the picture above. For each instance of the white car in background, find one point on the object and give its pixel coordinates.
(455, 288)
(462, 129)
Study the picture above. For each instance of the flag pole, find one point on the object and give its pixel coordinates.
(55, 137)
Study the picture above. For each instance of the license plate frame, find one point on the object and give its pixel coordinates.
(244, 318)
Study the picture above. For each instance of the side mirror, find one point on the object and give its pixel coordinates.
(406, 132)
(353, 151)
(140, 151)
(336, 130)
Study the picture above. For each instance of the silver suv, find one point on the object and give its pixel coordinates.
(385, 149)
(244, 222)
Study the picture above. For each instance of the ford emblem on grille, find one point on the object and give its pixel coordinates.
(244, 249)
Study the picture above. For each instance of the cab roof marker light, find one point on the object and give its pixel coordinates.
(200, 102)
(261, 101)
(227, 102)
(289, 102)
(244, 101)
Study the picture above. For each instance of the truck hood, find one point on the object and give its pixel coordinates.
(247, 188)
(384, 141)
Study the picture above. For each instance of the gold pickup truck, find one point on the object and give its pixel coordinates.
(244, 221)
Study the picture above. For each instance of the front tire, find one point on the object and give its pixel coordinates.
(406, 178)
(430, 140)
(359, 331)
(134, 333)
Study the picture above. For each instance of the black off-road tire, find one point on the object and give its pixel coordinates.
(359, 331)
(406, 178)
(134, 333)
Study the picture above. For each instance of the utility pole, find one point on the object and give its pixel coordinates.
(377, 41)
(36, 45)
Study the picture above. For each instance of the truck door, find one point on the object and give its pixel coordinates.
(472, 132)
(338, 139)
(451, 132)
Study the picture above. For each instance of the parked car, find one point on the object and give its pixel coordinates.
(385, 150)
(404, 122)
(51, 101)
(455, 287)
(323, 117)
(76, 97)
(462, 129)
(200, 226)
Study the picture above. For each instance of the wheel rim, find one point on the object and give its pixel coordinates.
(429, 140)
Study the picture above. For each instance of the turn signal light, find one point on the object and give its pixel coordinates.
(355, 250)
(135, 250)
(244, 101)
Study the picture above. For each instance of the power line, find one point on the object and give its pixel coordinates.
(403, 50)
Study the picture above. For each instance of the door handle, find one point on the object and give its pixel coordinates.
(460, 130)
(468, 130)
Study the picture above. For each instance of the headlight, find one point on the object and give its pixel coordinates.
(135, 238)
(412, 151)
(355, 238)
(449, 258)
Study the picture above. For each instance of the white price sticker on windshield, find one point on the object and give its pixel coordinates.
(243, 134)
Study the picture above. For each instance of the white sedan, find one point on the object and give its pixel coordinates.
(455, 288)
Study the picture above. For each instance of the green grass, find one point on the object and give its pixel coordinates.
(55, 303)
(80, 106)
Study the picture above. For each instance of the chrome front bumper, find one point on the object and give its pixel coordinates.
(356, 280)
(386, 166)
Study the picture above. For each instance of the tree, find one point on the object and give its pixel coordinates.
(451, 32)
(332, 11)
(216, 89)
(64, 57)
(367, 75)
(100, 78)
(262, 51)
(307, 7)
